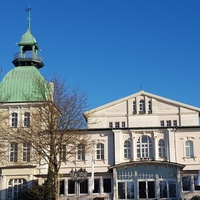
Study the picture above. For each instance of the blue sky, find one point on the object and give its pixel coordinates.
(110, 48)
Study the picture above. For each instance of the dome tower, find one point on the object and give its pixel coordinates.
(24, 82)
(28, 53)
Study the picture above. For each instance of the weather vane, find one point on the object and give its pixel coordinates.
(29, 15)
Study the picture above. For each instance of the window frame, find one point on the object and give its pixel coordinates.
(127, 149)
(26, 152)
(81, 152)
(162, 123)
(142, 105)
(100, 151)
(110, 124)
(123, 124)
(27, 119)
(162, 148)
(15, 186)
(14, 119)
(145, 148)
(63, 152)
(13, 152)
(169, 123)
(189, 148)
(134, 106)
(107, 185)
(117, 124)
(150, 106)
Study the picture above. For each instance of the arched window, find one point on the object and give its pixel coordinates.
(145, 147)
(81, 152)
(100, 151)
(14, 119)
(142, 105)
(15, 186)
(189, 151)
(26, 119)
(127, 149)
(162, 148)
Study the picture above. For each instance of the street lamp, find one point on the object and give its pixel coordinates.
(78, 176)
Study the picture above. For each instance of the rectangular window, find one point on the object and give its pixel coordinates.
(142, 189)
(174, 122)
(186, 183)
(150, 106)
(169, 123)
(196, 186)
(13, 152)
(130, 190)
(116, 124)
(151, 189)
(26, 152)
(63, 153)
(71, 187)
(162, 123)
(172, 189)
(84, 187)
(123, 124)
(14, 119)
(134, 106)
(121, 191)
(26, 119)
(81, 152)
(110, 125)
(163, 189)
(100, 151)
(62, 187)
(107, 185)
(96, 186)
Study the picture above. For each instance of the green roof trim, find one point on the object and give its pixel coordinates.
(24, 84)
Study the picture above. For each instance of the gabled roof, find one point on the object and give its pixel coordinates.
(143, 93)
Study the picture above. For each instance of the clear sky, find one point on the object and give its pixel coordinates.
(111, 48)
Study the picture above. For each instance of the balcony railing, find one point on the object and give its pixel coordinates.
(27, 55)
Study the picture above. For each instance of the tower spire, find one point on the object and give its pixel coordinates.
(28, 48)
(28, 10)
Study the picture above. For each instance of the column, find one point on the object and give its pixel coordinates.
(3, 187)
(65, 187)
(155, 148)
(30, 177)
(115, 188)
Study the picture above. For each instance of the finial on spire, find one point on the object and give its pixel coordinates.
(29, 15)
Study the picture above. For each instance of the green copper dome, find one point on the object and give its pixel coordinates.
(24, 84)
(27, 38)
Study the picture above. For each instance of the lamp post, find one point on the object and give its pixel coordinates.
(78, 176)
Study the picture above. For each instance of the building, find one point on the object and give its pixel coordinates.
(155, 144)
(143, 146)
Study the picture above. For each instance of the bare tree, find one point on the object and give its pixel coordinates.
(54, 130)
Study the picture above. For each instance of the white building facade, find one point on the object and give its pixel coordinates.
(155, 146)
